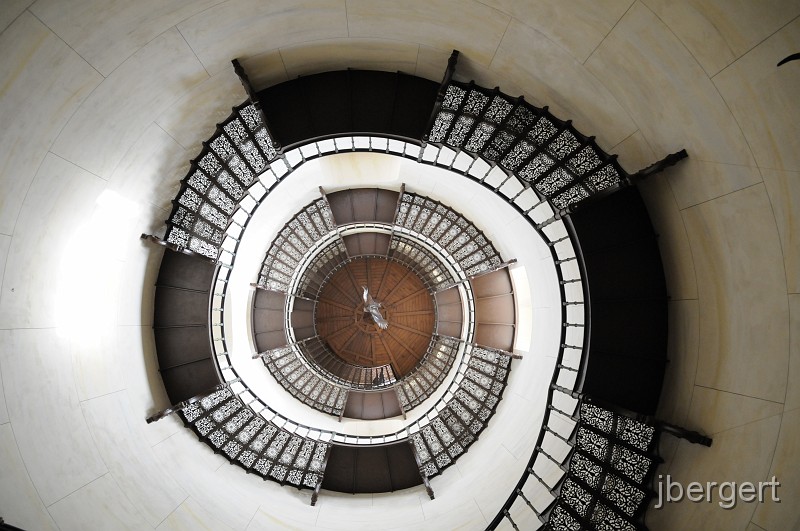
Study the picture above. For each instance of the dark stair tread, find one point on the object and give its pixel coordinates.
(371, 469)
(180, 307)
(322, 104)
(190, 380)
(184, 271)
(180, 345)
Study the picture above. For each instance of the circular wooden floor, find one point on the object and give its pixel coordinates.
(353, 335)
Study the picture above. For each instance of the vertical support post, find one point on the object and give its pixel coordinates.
(508, 517)
(400, 402)
(346, 398)
(448, 76)
(252, 95)
(394, 219)
(422, 474)
(315, 494)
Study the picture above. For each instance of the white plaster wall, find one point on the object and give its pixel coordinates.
(104, 102)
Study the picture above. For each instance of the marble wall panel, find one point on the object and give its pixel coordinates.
(487, 463)
(151, 170)
(694, 181)
(295, 511)
(118, 430)
(744, 317)
(343, 508)
(341, 54)
(11, 10)
(96, 361)
(99, 505)
(242, 28)
(44, 81)
(43, 405)
(552, 77)
(784, 195)
(44, 256)
(786, 514)
(740, 454)
(192, 119)
(191, 516)
(394, 504)
(3, 409)
(135, 298)
(116, 114)
(682, 354)
(715, 411)
(432, 63)
(763, 98)
(223, 490)
(793, 389)
(19, 502)
(441, 516)
(5, 245)
(717, 32)
(143, 386)
(634, 153)
(579, 26)
(469, 26)
(675, 111)
(265, 69)
(106, 37)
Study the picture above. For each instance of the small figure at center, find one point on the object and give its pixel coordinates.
(374, 309)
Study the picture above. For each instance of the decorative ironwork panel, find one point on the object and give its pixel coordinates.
(232, 428)
(466, 414)
(295, 239)
(604, 518)
(525, 140)
(608, 469)
(576, 497)
(468, 245)
(427, 266)
(600, 418)
(623, 494)
(432, 369)
(630, 464)
(595, 445)
(453, 98)
(239, 150)
(635, 433)
(287, 366)
(562, 520)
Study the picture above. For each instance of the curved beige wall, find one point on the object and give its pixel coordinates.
(104, 102)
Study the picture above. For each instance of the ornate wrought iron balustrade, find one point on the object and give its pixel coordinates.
(465, 415)
(258, 445)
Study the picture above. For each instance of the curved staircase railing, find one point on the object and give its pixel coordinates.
(552, 229)
(541, 166)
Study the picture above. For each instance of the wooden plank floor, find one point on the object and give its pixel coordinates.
(352, 334)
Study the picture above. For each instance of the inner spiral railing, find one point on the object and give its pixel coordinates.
(556, 232)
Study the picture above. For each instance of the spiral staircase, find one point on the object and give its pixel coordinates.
(598, 445)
